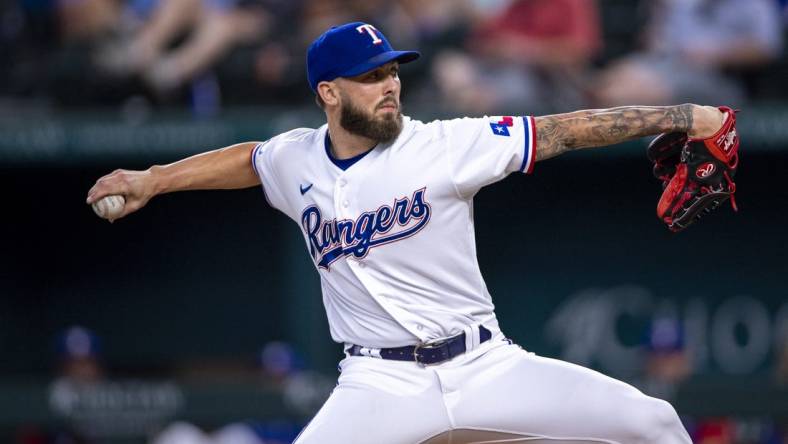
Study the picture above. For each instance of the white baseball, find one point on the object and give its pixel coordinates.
(109, 207)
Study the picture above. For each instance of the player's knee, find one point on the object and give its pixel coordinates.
(658, 423)
(666, 420)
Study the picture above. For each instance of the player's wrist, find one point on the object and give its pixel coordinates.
(156, 180)
(707, 121)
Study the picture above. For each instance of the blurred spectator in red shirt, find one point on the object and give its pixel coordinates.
(715, 431)
(541, 33)
(533, 53)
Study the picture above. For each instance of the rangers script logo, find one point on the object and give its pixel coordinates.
(332, 239)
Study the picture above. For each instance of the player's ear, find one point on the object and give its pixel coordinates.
(328, 93)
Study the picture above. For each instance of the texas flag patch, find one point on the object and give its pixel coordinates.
(500, 125)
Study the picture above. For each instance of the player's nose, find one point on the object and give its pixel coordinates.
(391, 86)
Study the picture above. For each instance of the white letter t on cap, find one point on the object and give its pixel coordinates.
(371, 31)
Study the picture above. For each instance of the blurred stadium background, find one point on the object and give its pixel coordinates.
(199, 319)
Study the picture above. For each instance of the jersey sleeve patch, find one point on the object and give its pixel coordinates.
(500, 125)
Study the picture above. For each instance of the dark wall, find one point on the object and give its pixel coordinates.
(191, 275)
(581, 235)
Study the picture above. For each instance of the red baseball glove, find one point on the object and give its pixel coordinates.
(697, 174)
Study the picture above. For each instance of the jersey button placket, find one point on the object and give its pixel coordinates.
(341, 202)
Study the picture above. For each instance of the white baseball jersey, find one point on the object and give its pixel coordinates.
(392, 236)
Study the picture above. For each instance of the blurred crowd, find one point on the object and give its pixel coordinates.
(479, 56)
(96, 403)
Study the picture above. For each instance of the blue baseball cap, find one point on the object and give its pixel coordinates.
(350, 50)
(77, 342)
(665, 335)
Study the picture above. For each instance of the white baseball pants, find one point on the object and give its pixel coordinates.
(498, 387)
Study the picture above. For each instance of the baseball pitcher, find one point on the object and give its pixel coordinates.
(385, 206)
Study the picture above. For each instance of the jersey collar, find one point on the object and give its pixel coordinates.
(343, 164)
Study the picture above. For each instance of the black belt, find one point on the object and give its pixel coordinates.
(432, 353)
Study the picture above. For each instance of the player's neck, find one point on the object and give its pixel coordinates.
(345, 145)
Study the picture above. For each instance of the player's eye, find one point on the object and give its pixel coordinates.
(381, 73)
(374, 76)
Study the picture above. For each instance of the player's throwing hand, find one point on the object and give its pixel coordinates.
(137, 187)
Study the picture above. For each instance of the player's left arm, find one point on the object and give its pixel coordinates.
(559, 133)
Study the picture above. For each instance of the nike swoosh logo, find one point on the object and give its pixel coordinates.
(305, 189)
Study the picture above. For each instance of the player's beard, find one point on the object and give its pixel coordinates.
(383, 129)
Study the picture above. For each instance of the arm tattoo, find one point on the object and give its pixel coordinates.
(559, 133)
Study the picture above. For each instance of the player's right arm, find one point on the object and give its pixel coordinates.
(224, 168)
(559, 133)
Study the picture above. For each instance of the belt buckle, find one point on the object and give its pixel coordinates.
(428, 345)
